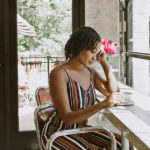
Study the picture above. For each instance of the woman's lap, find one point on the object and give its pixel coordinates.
(91, 141)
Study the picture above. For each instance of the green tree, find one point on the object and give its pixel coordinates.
(52, 22)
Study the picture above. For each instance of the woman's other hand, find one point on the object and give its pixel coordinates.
(113, 99)
(101, 56)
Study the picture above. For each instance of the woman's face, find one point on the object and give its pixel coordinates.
(87, 57)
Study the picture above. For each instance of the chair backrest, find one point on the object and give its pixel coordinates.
(40, 115)
(43, 96)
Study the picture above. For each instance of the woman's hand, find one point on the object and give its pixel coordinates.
(101, 56)
(113, 99)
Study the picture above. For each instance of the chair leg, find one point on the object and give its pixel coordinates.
(125, 142)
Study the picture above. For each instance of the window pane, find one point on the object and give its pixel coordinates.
(140, 21)
(43, 29)
(141, 75)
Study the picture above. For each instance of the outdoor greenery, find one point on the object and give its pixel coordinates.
(52, 22)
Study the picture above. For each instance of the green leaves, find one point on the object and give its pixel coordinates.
(52, 22)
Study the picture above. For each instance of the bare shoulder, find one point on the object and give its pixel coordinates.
(58, 73)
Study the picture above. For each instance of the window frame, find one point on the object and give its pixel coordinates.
(11, 138)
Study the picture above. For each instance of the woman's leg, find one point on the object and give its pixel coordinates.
(73, 142)
(102, 139)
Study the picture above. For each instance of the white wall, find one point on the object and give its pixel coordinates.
(103, 15)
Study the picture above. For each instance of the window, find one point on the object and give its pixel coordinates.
(138, 51)
(43, 29)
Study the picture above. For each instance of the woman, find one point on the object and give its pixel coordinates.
(72, 87)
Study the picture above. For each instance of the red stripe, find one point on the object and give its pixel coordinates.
(77, 95)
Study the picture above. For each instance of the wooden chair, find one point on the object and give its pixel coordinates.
(42, 112)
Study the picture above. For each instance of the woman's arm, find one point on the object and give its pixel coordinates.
(58, 87)
(110, 85)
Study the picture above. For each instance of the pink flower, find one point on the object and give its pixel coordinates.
(108, 47)
(105, 41)
(111, 49)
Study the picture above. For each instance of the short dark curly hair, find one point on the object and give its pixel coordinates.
(84, 37)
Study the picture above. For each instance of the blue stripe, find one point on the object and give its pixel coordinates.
(100, 136)
(83, 97)
(80, 142)
(93, 94)
(69, 95)
(58, 145)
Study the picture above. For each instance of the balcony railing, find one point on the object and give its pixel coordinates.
(36, 71)
(41, 64)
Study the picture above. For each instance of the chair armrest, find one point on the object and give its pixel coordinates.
(45, 105)
(40, 117)
(83, 130)
(40, 108)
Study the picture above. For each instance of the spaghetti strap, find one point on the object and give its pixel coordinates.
(66, 72)
(89, 70)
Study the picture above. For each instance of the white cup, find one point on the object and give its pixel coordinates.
(126, 96)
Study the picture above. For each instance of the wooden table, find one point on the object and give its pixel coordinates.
(132, 121)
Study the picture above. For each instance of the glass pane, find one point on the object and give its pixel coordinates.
(140, 23)
(43, 29)
(141, 75)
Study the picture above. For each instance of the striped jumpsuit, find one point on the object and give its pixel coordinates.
(78, 99)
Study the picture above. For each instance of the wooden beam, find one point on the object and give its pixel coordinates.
(8, 75)
(78, 14)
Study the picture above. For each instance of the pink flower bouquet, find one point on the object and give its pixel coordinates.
(109, 48)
